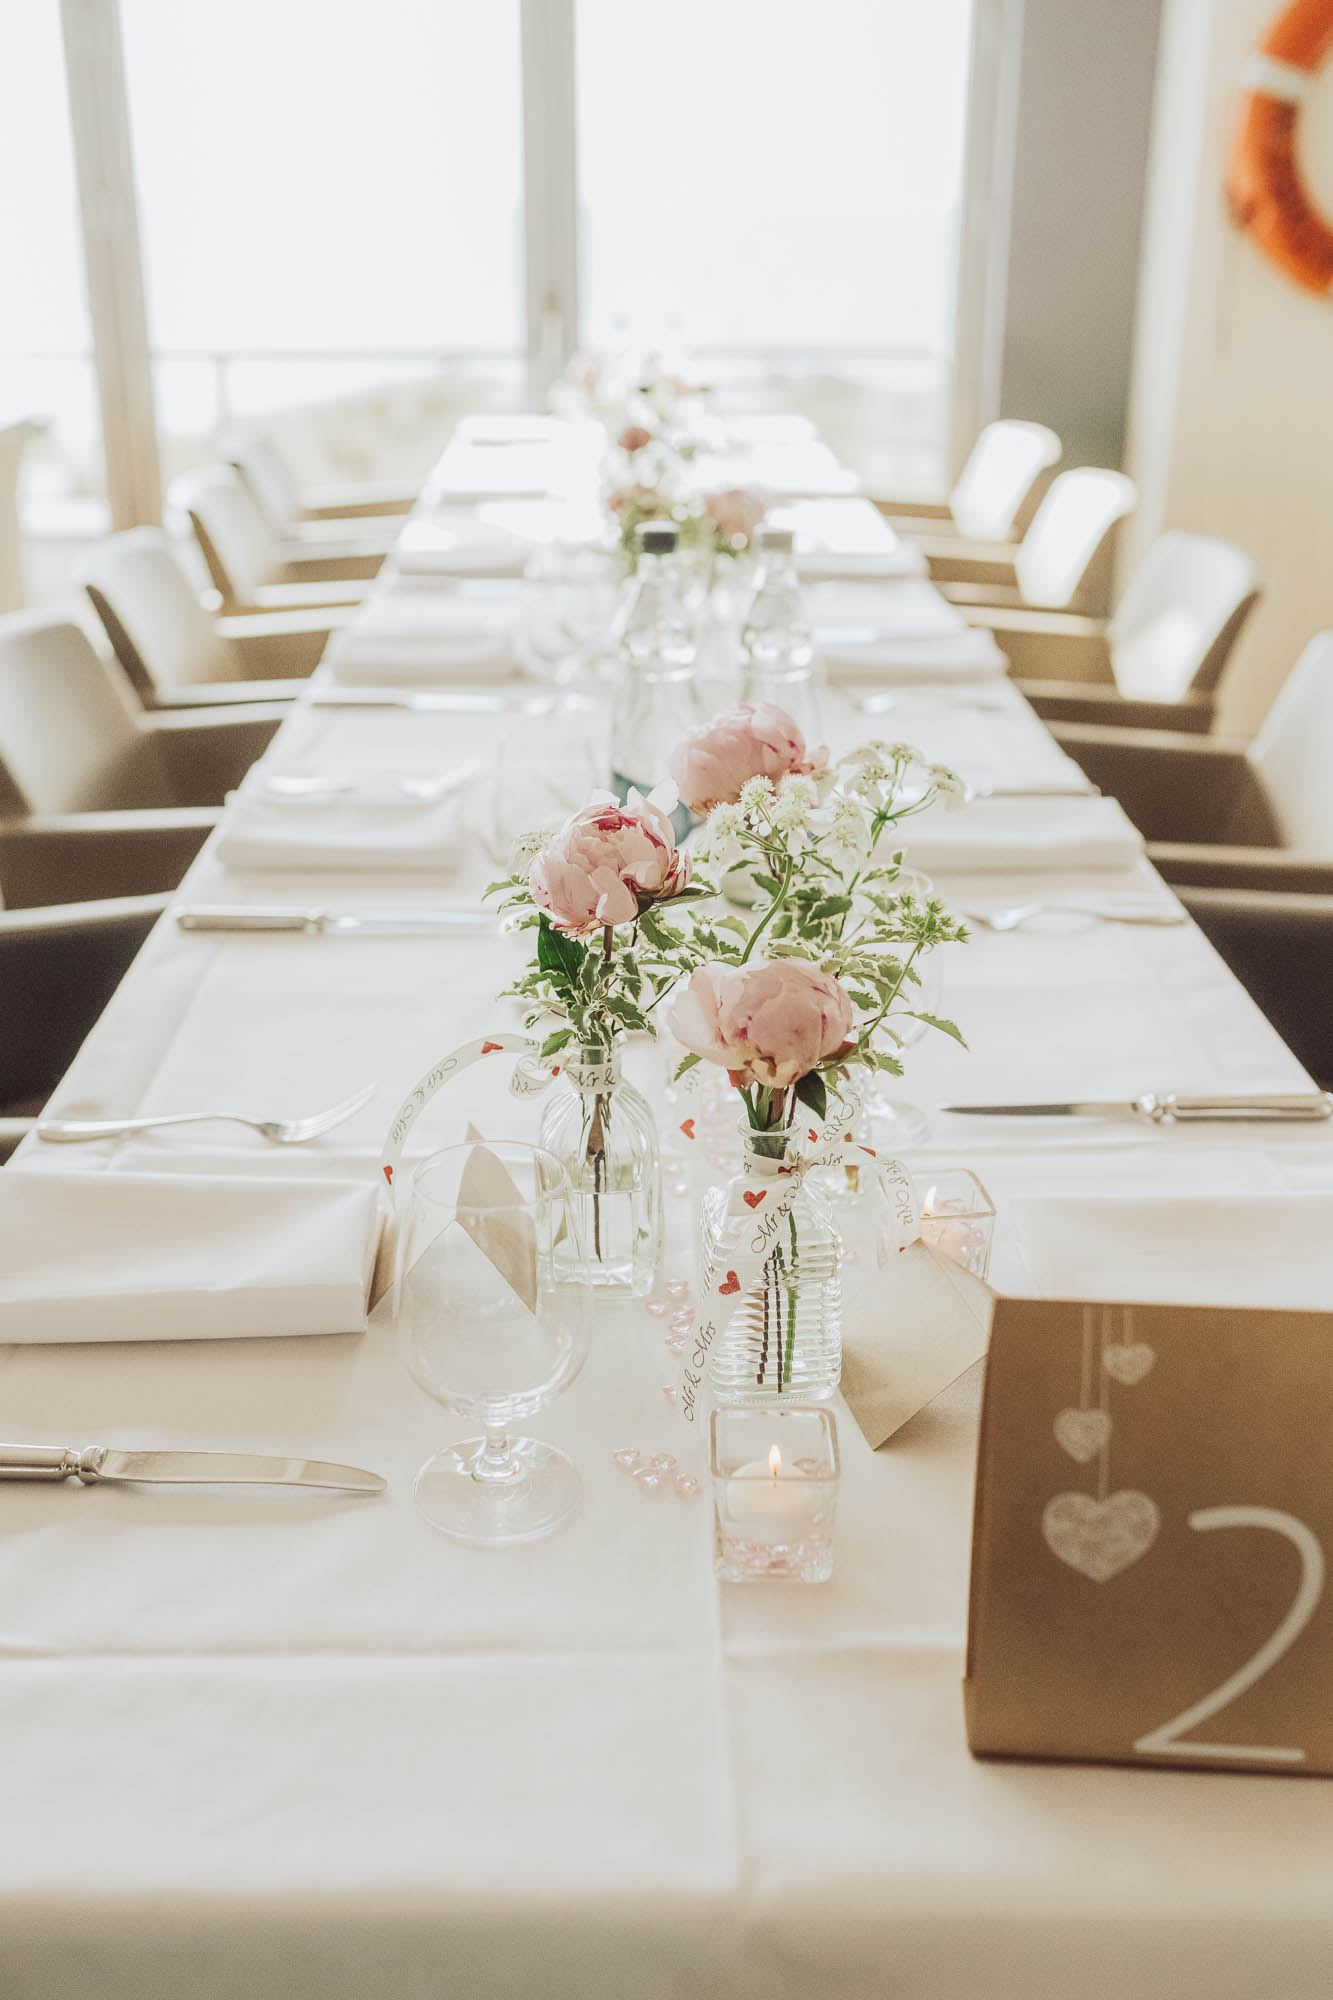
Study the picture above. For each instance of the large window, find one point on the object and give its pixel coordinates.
(334, 234)
(783, 181)
(331, 216)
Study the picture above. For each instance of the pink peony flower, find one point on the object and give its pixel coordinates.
(634, 437)
(769, 1023)
(608, 863)
(736, 514)
(711, 764)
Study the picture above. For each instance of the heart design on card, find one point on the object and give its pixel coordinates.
(1082, 1433)
(812, 1135)
(1099, 1538)
(751, 1199)
(487, 1047)
(687, 1127)
(1128, 1362)
(730, 1284)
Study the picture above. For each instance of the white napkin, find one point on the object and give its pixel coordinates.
(847, 539)
(110, 1256)
(463, 545)
(353, 831)
(970, 655)
(1257, 1249)
(414, 637)
(1021, 834)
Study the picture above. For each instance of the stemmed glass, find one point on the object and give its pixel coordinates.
(570, 600)
(493, 1326)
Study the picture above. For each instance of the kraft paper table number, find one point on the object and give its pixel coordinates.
(1154, 1514)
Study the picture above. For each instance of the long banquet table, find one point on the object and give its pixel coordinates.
(285, 1745)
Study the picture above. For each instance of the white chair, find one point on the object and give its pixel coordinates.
(173, 651)
(996, 493)
(247, 564)
(1063, 562)
(1161, 656)
(355, 501)
(73, 738)
(14, 441)
(279, 501)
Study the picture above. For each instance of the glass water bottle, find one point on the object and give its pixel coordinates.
(656, 700)
(779, 663)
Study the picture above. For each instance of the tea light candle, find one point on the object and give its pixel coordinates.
(773, 1502)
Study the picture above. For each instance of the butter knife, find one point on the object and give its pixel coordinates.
(435, 701)
(1308, 1106)
(179, 1468)
(337, 923)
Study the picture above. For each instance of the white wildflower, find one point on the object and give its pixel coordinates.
(796, 800)
(723, 833)
(527, 846)
(848, 838)
(952, 792)
(756, 795)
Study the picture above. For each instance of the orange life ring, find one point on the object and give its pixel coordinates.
(1264, 186)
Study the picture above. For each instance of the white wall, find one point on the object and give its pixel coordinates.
(1231, 419)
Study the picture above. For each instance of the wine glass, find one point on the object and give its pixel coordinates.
(493, 1327)
(570, 600)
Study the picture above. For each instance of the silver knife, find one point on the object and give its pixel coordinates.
(439, 701)
(179, 1468)
(335, 923)
(1307, 1106)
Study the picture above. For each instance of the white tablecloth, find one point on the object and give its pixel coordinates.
(266, 1744)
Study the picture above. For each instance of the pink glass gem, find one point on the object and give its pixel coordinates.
(657, 1307)
(809, 1466)
(626, 1459)
(676, 1343)
(677, 1288)
(648, 1480)
(686, 1485)
(661, 1461)
(850, 1257)
(682, 1321)
(679, 1187)
(669, 1391)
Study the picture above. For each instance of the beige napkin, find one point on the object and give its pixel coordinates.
(932, 1323)
(1022, 835)
(112, 1256)
(348, 832)
(970, 655)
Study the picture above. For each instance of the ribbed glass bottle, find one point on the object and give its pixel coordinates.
(785, 1342)
(602, 1131)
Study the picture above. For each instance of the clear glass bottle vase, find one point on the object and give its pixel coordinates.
(602, 1131)
(785, 1343)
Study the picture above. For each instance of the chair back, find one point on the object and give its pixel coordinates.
(1067, 550)
(1003, 470)
(1180, 617)
(271, 485)
(69, 736)
(1293, 753)
(159, 630)
(236, 540)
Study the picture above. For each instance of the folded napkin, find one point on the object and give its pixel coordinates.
(1254, 1249)
(110, 1256)
(1014, 835)
(931, 1323)
(969, 655)
(464, 546)
(356, 830)
(406, 637)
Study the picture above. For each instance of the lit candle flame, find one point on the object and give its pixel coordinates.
(775, 1461)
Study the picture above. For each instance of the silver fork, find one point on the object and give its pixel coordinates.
(282, 1131)
(1018, 914)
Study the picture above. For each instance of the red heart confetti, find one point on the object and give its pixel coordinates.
(687, 1127)
(813, 1136)
(388, 1175)
(753, 1200)
(731, 1284)
(486, 1047)
(871, 1151)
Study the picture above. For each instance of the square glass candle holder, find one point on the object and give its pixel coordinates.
(957, 1216)
(775, 1493)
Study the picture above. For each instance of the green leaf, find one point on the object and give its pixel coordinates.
(812, 1093)
(830, 906)
(558, 953)
(949, 1028)
(686, 1062)
(770, 884)
(557, 1041)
